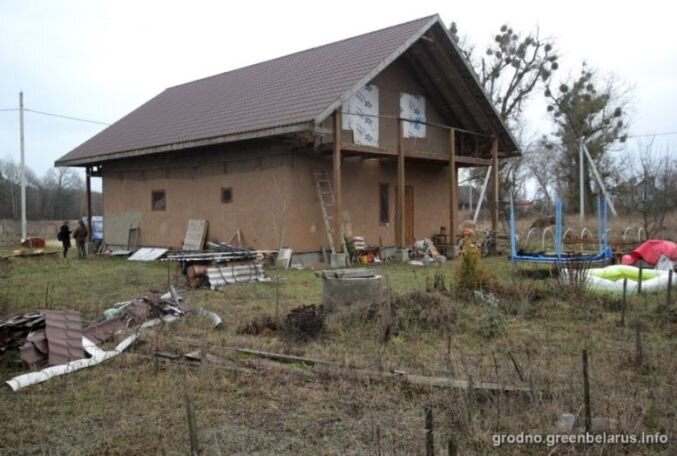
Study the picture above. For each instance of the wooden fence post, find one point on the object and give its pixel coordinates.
(192, 426)
(638, 346)
(625, 302)
(668, 298)
(429, 436)
(586, 391)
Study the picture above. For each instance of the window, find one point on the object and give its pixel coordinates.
(227, 195)
(383, 198)
(158, 201)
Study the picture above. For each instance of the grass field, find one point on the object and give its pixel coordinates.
(135, 405)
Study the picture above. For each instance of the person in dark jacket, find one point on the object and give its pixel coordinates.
(80, 236)
(64, 235)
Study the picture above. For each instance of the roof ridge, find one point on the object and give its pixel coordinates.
(304, 51)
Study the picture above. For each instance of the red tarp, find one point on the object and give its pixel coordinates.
(650, 251)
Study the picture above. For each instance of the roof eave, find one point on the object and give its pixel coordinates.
(375, 72)
(517, 151)
(87, 161)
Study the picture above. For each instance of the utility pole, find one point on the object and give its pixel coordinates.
(23, 167)
(581, 185)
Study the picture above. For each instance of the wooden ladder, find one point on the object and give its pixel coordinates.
(327, 202)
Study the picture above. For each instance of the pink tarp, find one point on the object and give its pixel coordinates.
(650, 251)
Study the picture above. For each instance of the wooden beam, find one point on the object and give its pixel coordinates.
(494, 184)
(88, 181)
(399, 218)
(453, 186)
(336, 166)
(473, 160)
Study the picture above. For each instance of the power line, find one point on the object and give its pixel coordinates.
(9, 109)
(647, 135)
(66, 117)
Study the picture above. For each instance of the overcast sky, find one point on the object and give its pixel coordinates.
(100, 60)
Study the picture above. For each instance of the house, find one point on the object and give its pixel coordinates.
(387, 118)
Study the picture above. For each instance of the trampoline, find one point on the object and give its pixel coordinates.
(604, 253)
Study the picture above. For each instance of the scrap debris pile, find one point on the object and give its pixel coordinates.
(57, 339)
(54, 337)
(212, 264)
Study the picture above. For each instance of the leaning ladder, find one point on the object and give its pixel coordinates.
(326, 196)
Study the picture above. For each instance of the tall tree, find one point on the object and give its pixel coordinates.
(512, 69)
(592, 109)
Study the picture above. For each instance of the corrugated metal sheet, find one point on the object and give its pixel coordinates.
(104, 330)
(34, 350)
(147, 254)
(64, 336)
(284, 91)
(230, 275)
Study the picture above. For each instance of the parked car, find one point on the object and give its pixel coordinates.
(97, 229)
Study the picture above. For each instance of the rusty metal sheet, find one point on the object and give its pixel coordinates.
(104, 330)
(64, 336)
(39, 340)
(137, 311)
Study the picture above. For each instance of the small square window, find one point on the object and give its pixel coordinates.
(227, 195)
(158, 201)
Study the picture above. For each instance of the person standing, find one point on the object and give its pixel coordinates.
(80, 236)
(64, 235)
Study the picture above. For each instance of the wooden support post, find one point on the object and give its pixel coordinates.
(399, 219)
(453, 188)
(586, 391)
(336, 166)
(88, 180)
(494, 184)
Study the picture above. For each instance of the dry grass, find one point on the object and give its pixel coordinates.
(131, 405)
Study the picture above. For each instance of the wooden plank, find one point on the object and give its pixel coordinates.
(195, 235)
(399, 219)
(453, 186)
(494, 184)
(338, 200)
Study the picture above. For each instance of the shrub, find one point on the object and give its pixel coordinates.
(492, 321)
(423, 310)
(471, 274)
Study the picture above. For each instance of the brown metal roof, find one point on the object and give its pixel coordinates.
(290, 93)
(64, 336)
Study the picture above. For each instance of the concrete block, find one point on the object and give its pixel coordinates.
(339, 260)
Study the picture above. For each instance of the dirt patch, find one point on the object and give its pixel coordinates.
(304, 323)
(262, 325)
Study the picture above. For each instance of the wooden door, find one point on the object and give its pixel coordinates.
(409, 215)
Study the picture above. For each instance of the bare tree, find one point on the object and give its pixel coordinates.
(511, 70)
(650, 186)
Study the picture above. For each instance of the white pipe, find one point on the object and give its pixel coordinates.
(545, 231)
(599, 180)
(484, 189)
(531, 230)
(97, 356)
